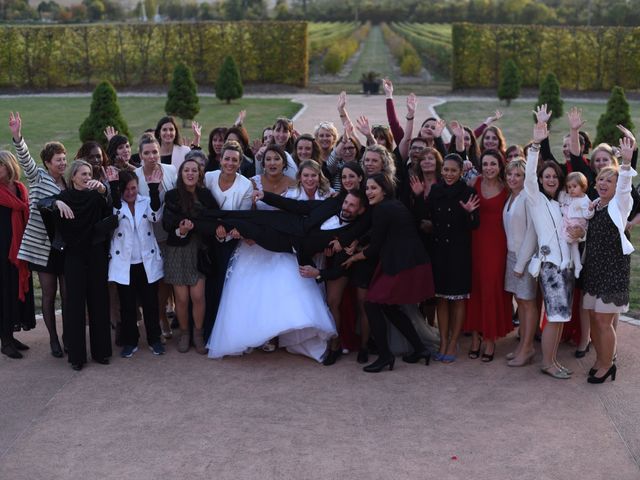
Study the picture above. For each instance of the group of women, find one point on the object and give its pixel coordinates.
(400, 227)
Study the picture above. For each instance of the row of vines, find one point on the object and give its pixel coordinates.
(336, 42)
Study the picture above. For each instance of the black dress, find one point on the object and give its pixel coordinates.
(451, 235)
(14, 314)
(606, 270)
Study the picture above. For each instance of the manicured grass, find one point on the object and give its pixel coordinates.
(517, 124)
(375, 57)
(59, 118)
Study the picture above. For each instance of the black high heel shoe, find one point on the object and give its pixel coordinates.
(380, 364)
(592, 371)
(56, 348)
(610, 373)
(415, 357)
(582, 353)
(332, 357)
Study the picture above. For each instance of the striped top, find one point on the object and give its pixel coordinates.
(35, 246)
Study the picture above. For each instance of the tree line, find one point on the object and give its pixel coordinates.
(548, 12)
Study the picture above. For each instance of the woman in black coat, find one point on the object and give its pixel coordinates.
(403, 275)
(452, 206)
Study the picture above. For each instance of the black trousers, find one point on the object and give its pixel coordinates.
(376, 313)
(140, 289)
(85, 277)
(214, 284)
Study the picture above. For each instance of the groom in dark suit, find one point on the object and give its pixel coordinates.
(305, 227)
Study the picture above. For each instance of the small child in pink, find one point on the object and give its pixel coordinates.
(576, 211)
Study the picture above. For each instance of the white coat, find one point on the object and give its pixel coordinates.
(122, 242)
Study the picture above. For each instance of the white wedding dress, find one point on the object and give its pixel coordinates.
(264, 297)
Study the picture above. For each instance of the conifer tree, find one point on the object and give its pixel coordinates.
(550, 95)
(182, 97)
(510, 82)
(229, 84)
(617, 113)
(104, 112)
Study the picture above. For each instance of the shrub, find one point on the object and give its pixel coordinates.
(617, 113)
(182, 97)
(333, 60)
(510, 82)
(550, 94)
(104, 111)
(229, 84)
(410, 65)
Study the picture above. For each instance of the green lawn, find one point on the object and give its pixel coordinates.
(517, 124)
(375, 57)
(58, 118)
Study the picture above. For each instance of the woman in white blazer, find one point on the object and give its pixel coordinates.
(542, 188)
(135, 262)
(149, 150)
(521, 245)
(607, 261)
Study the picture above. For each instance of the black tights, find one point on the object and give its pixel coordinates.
(376, 313)
(49, 285)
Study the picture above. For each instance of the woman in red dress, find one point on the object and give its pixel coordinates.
(489, 308)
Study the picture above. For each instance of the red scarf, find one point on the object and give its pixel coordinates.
(19, 216)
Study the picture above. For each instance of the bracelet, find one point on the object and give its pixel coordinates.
(409, 118)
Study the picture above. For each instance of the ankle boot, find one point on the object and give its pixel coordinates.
(198, 341)
(9, 349)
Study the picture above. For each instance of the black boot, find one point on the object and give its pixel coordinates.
(380, 364)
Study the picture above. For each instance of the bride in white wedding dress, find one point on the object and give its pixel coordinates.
(264, 295)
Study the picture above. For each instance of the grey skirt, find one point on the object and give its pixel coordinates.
(181, 264)
(524, 287)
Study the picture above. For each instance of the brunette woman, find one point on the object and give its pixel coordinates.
(35, 247)
(403, 275)
(172, 151)
(84, 225)
(489, 308)
(493, 139)
(182, 207)
(607, 264)
(306, 148)
(214, 146)
(452, 207)
(119, 152)
(240, 135)
(16, 290)
(93, 153)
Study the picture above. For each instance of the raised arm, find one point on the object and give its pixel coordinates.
(540, 132)
(403, 146)
(342, 108)
(575, 124)
(25, 159)
(392, 117)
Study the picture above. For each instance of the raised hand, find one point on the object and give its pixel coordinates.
(472, 204)
(575, 118)
(196, 128)
(541, 113)
(493, 118)
(456, 129)
(362, 124)
(412, 104)
(627, 146)
(348, 130)
(540, 132)
(65, 211)
(417, 187)
(110, 132)
(626, 132)
(112, 174)
(440, 124)
(15, 125)
(242, 114)
(388, 87)
(342, 102)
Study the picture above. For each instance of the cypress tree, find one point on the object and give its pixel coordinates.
(104, 111)
(182, 97)
(229, 85)
(550, 94)
(510, 82)
(617, 113)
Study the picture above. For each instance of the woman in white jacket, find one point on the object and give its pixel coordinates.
(135, 261)
(521, 245)
(542, 189)
(607, 263)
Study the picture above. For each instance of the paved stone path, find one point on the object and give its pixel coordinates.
(284, 416)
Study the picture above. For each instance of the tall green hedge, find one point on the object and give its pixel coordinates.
(583, 58)
(145, 54)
